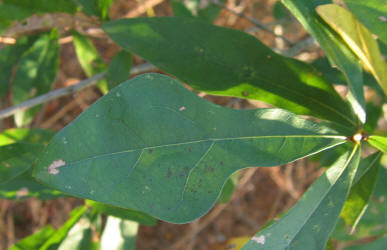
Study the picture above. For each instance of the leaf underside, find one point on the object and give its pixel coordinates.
(153, 146)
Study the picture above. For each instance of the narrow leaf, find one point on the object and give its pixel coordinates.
(57, 238)
(372, 13)
(358, 38)
(229, 62)
(119, 234)
(339, 54)
(81, 235)
(9, 58)
(34, 241)
(153, 146)
(126, 214)
(35, 74)
(89, 58)
(379, 142)
(119, 68)
(361, 191)
(311, 221)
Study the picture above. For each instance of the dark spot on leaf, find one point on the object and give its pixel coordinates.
(169, 173)
(150, 151)
(211, 170)
(200, 180)
(221, 163)
(186, 169)
(245, 93)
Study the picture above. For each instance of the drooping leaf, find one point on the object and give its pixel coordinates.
(98, 8)
(379, 142)
(310, 222)
(119, 68)
(119, 234)
(358, 38)
(361, 191)
(228, 188)
(89, 58)
(34, 241)
(81, 235)
(9, 57)
(126, 214)
(35, 74)
(228, 62)
(57, 238)
(338, 53)
(372, 13)
(153, 146)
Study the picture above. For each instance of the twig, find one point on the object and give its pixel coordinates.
(66, 91)
(253, 21)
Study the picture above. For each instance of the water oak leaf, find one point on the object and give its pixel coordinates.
(153, 146)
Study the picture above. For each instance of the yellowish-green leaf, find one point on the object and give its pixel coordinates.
(359, 39)
(379, 142)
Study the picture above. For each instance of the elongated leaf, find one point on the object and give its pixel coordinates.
(335, 48)
(153, 146)
(361, 191)
(9, 57)
(35, 74)
(81, 235)
(358, 38)
(372, 13)
(310, 222)
(57, 238)
(34, 241)
(119, 68)
(379, 142)
(228, 62)
(119, 234)
(126, 214)
(89, 58)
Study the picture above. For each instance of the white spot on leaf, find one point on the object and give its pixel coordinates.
(53, 168)
(64, 140)
(383, 18)
(259, 239)
(118, 94)
(92, 192)
(182, 108)
(68, 187)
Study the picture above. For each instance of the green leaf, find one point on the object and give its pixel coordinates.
(311, 221)
(119, 234)
(361, 191)
(372, 13)
(379, 142)
(34, 241)
(180, 9)
(9, 58)
(35, 74)
(378, 244)
(122, 213)
(89, 58)
(119, 68)
(153, 146)
(338, 53)
(229, 62)
(57, 238)
(228, 188)
(81, 234)
(24, 186)
(98, 8)
(19, 149)
(358, 38)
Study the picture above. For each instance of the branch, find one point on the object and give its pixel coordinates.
(66, 91)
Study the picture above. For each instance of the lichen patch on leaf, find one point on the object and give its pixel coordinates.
(259, 239)
(53, 168)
